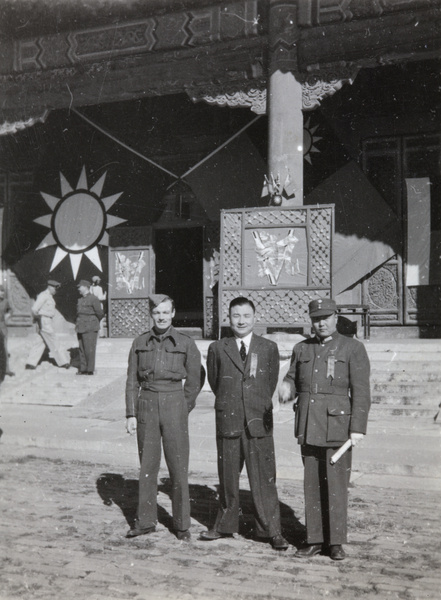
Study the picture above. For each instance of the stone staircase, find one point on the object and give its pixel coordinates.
(405, 380)
(405, 374)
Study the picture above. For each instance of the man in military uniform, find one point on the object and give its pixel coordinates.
(43, 310)
(89, 315)
(158, 402)
(329, 374)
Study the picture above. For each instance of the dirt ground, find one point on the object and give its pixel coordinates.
(63, 525)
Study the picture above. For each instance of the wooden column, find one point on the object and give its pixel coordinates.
(285, 115)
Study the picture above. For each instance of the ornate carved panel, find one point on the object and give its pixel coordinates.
(130, 317)
(280, 258)
(163, 32)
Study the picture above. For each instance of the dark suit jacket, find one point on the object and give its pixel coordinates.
(243, 392)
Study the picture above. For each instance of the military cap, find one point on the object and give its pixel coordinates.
(84, 282)
(322, 307)
(53, 283)
(155, 299)
(96, 279)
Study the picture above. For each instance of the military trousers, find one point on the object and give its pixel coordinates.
(87, 345)
(259, 458)
(47, 339)
(163, 417)
(326, 495)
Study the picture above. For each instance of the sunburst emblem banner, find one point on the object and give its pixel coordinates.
(78, 221)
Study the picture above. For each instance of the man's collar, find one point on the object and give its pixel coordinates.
(326, 339)
(246, 340)
(170, 332)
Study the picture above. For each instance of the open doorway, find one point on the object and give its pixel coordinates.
(179, 266)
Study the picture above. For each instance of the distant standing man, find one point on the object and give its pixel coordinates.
(330, 375)
(243, 372)
(97, 291)
(163, 381)
(4, 310)
(89, 314)
(43, 310)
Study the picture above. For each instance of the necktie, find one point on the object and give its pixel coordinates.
(243, 352)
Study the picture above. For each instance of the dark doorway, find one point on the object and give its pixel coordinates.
(179, 272)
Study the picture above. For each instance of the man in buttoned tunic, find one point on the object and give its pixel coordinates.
(89, 315)
(243, 372)
(329, 374)
(163, 381)
(43, 310)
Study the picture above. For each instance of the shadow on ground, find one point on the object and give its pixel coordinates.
(113, 488)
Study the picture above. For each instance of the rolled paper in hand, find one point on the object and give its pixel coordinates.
(335, 457)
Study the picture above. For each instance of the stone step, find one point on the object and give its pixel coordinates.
(406, 387)
(404, 411)
(398, 400)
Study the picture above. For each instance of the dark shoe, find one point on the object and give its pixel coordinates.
(89, 373)
(30, 367)
(278, 542)
(184, 536)
(212, 534)
(10, 373)
(65, 366)
(81, 373)
(308, 551)
(135, 532)
(337, 553)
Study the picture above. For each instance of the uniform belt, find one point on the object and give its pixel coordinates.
(162, 386)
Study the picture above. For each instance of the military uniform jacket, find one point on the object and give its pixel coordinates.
(44, 309)
(243, 391)
(89, 314)
(162, 367)
(331, 380)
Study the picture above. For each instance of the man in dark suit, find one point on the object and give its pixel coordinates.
(89, 315)
(330, 375)
(243, 372)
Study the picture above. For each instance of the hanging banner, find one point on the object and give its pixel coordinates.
(418, 231)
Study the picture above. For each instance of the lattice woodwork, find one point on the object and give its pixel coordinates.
(129, 318)
(125, 237)
(283, 305)
(232, 242)
(321, 238)
(275, 307)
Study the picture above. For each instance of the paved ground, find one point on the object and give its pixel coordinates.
(68, 492)
(64, 522)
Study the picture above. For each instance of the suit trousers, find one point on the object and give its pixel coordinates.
(87, 344)
(163, 415)
(326, 495)
(259, 458)
(47, 338)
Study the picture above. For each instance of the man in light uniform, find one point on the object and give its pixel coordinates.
(43, 310)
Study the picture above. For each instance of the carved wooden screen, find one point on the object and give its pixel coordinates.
(279, 258)
(131, 280)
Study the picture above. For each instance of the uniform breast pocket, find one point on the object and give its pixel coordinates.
(339, 418)
(340, 371)
(304, 367)
(175, 361)
(145, 361)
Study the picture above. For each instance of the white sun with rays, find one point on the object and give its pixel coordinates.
(309, 140)
(78, 221)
